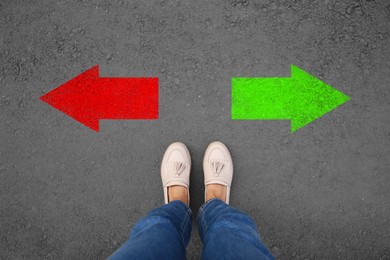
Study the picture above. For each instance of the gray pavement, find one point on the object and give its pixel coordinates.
(67, 192)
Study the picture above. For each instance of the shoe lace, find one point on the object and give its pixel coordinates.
(177, 168)
(217, 166)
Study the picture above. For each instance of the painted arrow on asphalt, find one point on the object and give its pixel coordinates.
(301, 98)
(89, 98)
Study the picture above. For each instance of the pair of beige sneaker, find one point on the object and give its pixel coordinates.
(176, 167)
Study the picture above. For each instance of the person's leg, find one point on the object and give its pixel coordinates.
(163, 234)
(228, 233)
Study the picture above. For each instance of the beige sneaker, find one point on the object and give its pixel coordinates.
(175, 168)
(218, 167)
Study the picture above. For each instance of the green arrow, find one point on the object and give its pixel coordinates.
(301, 98)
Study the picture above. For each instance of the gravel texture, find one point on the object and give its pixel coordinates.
(67, 192)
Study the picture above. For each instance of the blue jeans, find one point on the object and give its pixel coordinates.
(164, 233)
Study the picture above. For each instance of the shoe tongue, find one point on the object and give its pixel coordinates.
(217, 166)
(178, 167)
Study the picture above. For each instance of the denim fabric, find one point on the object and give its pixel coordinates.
(228, 233)
(164, 233)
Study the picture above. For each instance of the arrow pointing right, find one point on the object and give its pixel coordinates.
(301, 98)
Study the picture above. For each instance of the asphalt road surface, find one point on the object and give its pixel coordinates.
(67, 192)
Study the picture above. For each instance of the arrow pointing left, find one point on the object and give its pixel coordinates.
(89, 98)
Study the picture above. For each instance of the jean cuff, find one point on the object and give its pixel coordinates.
(180, 204)
(211, 201)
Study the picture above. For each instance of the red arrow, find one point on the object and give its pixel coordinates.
(89, 98)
